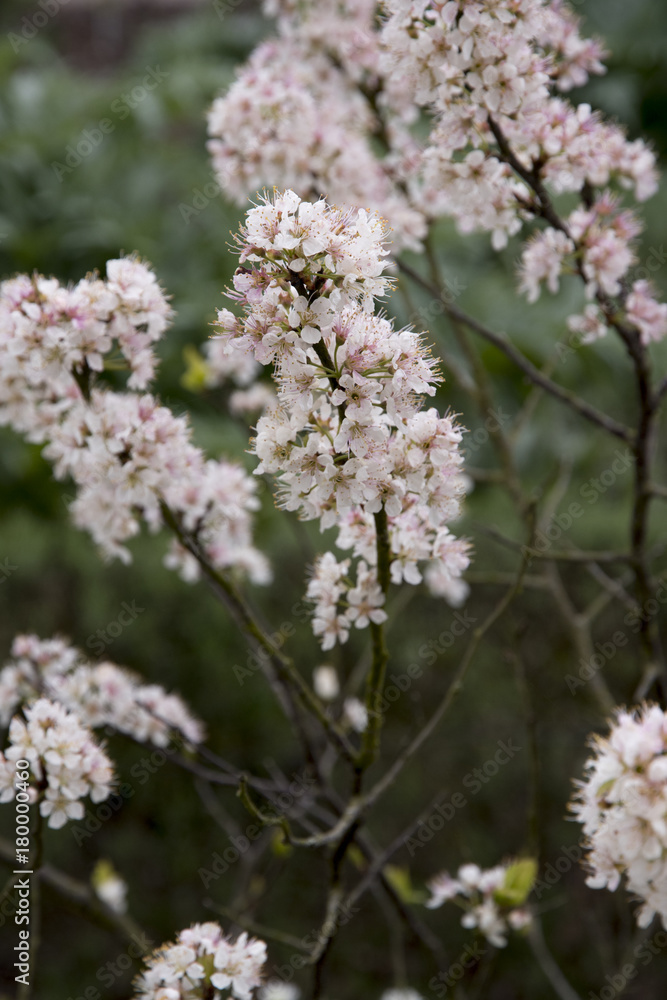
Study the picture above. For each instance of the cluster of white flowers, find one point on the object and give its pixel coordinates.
(203, 964)
(99, 694)
(127, 454)
(482, 895)
(48, 331)
(622, 805)
(346, 436)
(65, 762)
(476, 63)
(338, 603)
(600, 238)
(332, 107)
(485, 66)
(301, 115)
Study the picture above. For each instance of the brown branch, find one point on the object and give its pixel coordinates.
(82, 897)
(558, 555)
(250, 627)
(521, 361)
(648, 401)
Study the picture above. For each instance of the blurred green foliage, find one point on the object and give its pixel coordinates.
(129, 194)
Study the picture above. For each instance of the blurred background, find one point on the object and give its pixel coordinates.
(144, 187)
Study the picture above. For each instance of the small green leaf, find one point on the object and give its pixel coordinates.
(196, 370)
(279, 845)
(519, 880)
(102, 872)
(356, 857)
(400, 880)
(605, 787)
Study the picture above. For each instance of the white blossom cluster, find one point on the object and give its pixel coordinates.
(48, 331)
(487, 64)
(336, 105)
(329, 589)
(300, 115)
(66, 763)
(100, 694)
(601, 237)
(126, 454)
(203, 964)
(622, 805)
(480, 894)
(346, 436)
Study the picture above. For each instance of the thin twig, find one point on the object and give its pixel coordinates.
(521, 361)
(558, 555)
(249, 625)
(252, 927)
(548, 964)
(83, 898)
(452, 691)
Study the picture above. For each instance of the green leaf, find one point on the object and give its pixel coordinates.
(196, 370)
(401, 881)
(604, 788)
(519, 880)
(356, 857)
(102, 872)
(279, 845)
